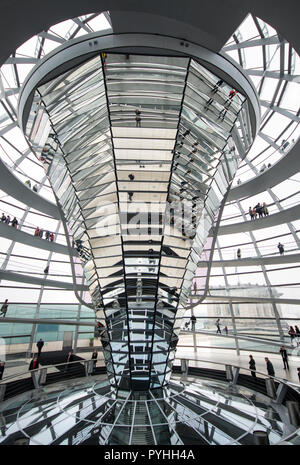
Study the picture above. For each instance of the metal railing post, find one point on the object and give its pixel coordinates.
(294, 412)
(228, 370)
(42, 375)
(184, 366)
(35, 378)
(236, 371)
(270, 387)
(260, 438)
(2, 391)
(88, 367)
(281, 392)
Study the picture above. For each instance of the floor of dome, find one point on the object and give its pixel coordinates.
(189, 411)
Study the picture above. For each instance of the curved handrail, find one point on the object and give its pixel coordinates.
(279, 380)
(240, 336)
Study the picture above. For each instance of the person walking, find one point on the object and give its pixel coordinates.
(94, 357)
(226, 330)
(297, 334)
(2, 366)
(34, 364)
(7, 221)
(137, 118)
(251, 213)
(41, 232)
(36, 232)
(40, 345)
(193, 321)
(292, 334)
(239, 254)
(3, 218)
(218, 326)
(270, 368)
(51, 237)
(284, 356)
(252, 366)
(46, 270)
(35, 188)
(259, 210)
(14, 223)
(130, 195)
(47, 235)
(4, 308)
(280, 248)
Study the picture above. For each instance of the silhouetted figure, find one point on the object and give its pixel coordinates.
(40, 345)
(130, 195)
(284, 356)
(34, 364)
(270, 368)
(218, 326)
(137, 118)
(4, 308)
(280, 248)
(297, 334)
(2, 367)
(252, 366)
(14, 223)
(259, 210)
(239, 254)
(131, 177)
(193, 321)
(46, 270)
(3, 218)
(292, 334)
(94, 357)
